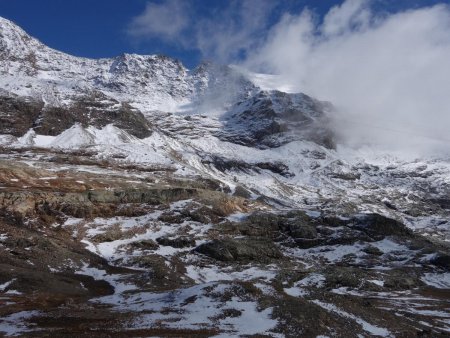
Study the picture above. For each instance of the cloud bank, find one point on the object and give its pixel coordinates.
(387, 74)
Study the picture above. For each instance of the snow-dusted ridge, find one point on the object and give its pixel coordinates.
(151, 82)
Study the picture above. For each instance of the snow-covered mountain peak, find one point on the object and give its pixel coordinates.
(95, 92)
(9, 29)
(14, 41)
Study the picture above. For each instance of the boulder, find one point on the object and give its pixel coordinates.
(344, 277)
(242, 249)
(145, 244)
(378, 226)
(441, 260)
(176, 242)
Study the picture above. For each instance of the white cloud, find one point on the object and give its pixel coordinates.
(389, 76)
(165, 21)
(234, 31)
(351, 15)
(222, 34)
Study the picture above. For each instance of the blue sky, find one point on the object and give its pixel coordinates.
(101, 28)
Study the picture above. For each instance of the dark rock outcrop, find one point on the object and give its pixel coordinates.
(18, 115)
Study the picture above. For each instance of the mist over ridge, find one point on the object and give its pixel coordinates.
(387, 74)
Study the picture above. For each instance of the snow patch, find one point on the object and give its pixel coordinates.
(14, 324)
(437, 280)
(369, 328)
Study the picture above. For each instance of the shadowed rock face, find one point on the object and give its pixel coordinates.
(224, 165)
(271, 119)
(18, 115)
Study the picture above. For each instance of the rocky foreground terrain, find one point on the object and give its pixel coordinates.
(139, 198)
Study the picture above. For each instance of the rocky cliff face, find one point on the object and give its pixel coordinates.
(138, 197)
(274, 118)
(18, 115)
